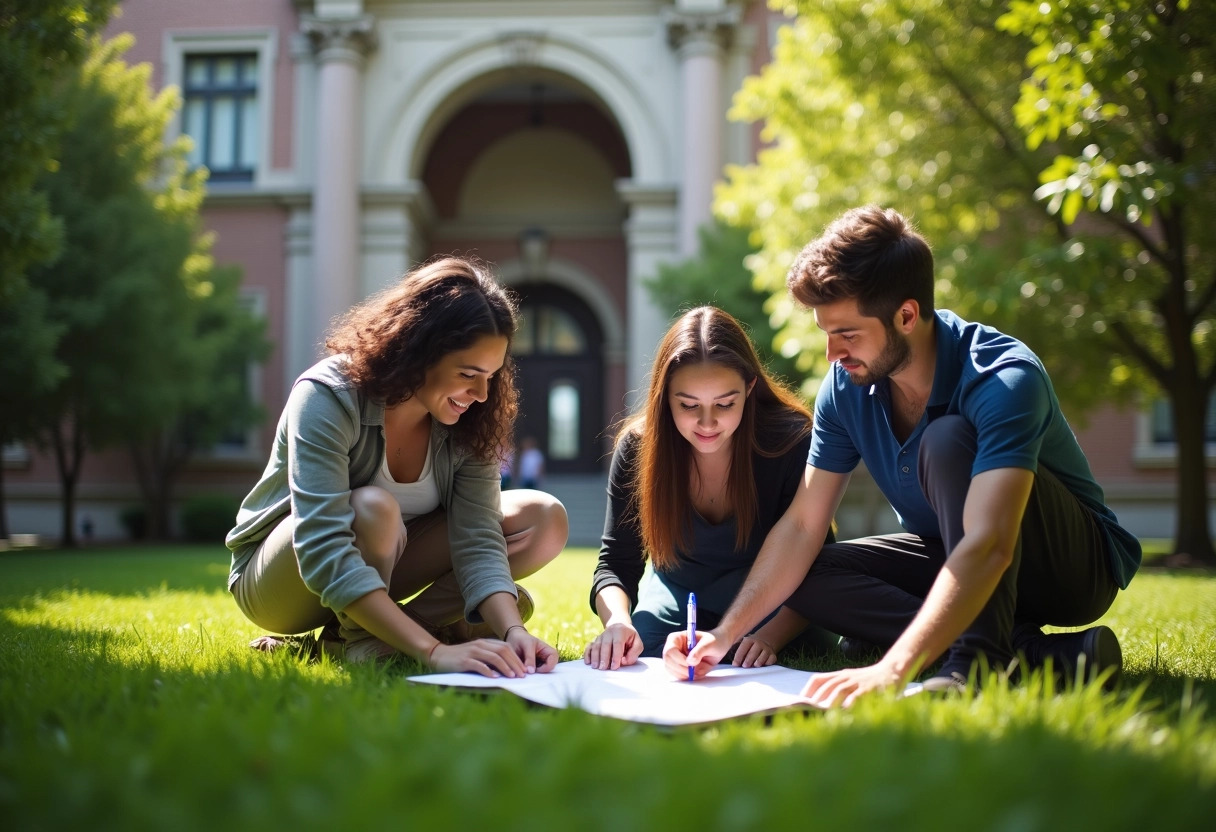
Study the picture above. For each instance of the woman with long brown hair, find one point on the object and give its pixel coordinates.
(698, 477)
(384, 481)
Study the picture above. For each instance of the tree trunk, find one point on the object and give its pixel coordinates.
(1193, 536)
(3, 518)
(158, 462)
(69, 452)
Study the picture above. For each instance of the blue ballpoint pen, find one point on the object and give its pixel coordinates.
(692, 630)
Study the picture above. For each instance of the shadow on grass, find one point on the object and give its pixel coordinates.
(127, 571)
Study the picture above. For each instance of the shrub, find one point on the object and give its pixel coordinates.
(208, 517)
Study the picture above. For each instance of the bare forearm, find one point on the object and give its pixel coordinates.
(783, 562)
(611, 603)
(376, 613)
(500, 612)
(781, 629)
(962, 588)
(992, 515)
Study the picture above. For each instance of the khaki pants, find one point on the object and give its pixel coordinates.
(271, 593)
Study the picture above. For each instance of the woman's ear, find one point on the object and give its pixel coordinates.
(751, 385)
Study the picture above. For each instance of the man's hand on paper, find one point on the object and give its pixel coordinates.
(618, 646)
(704, 657)
(842, 687)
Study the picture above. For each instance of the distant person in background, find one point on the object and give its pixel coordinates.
(531, 463)
(383, 482)
(699, 476)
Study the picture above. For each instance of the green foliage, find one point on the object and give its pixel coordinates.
(719, 276)
(130, 701)
(207, 518)
(1123, 94)
(911, 104)
(155, 339)
(1057, 155)
(39, 40)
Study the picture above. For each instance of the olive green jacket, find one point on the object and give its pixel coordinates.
(330, 440)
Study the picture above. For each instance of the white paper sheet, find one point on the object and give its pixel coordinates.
(646, 692)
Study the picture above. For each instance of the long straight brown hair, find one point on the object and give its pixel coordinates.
(774, 420)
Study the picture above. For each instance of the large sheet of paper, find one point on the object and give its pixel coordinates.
(646, 692)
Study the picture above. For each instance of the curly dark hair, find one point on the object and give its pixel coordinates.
(393, 338)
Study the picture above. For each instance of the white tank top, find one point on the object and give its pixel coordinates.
(415, 498)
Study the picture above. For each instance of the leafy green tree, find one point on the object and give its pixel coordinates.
(922, 105)
(200, 390)
(1124, 93)
(718, 275)
(134, 291)
(28, 369)
(38, 40)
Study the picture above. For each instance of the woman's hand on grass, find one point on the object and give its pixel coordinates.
(618, 646)
(487, 656)
(536, 655)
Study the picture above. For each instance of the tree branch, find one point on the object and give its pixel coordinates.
(1158, 370)
(1011, 143)
(1136, 232)
(1205, 299)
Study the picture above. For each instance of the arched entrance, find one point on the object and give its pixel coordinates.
(559, 361)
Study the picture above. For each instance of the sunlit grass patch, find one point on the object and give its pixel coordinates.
(130, 700)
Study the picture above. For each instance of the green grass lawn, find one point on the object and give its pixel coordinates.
(129, 701)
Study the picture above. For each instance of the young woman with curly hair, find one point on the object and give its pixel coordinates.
(699, 476)
(384, 481)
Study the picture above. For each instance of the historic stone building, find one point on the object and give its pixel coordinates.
(573, 144)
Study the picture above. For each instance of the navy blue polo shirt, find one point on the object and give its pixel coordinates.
(998, 385)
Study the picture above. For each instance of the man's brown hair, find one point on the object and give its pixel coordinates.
(870, 254)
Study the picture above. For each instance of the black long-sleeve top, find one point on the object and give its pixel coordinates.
(711, 560)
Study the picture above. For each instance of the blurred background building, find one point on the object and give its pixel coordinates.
(573, 144)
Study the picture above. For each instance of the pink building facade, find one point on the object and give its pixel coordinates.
(573, 144)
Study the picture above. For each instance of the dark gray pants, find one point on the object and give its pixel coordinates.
(871, 588)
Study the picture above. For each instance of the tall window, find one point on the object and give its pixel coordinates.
(220, 112)
(1162, 424)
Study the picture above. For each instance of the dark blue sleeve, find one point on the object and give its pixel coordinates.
(832, 448)
(1010, 407)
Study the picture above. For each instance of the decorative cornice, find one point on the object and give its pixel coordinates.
(689, 31)
(352, 37)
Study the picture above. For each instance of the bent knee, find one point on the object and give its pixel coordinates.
(372, 503)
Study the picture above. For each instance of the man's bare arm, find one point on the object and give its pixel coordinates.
(788, 552)
(992, 518)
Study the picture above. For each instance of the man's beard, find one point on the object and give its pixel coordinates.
(895, 355)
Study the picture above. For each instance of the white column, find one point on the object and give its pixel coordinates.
(301, 336)
(650, 236)
(395, 222)
(340, 45)
(700, 37)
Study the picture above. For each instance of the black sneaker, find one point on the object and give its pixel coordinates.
(1083, 655)
(855, 650)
